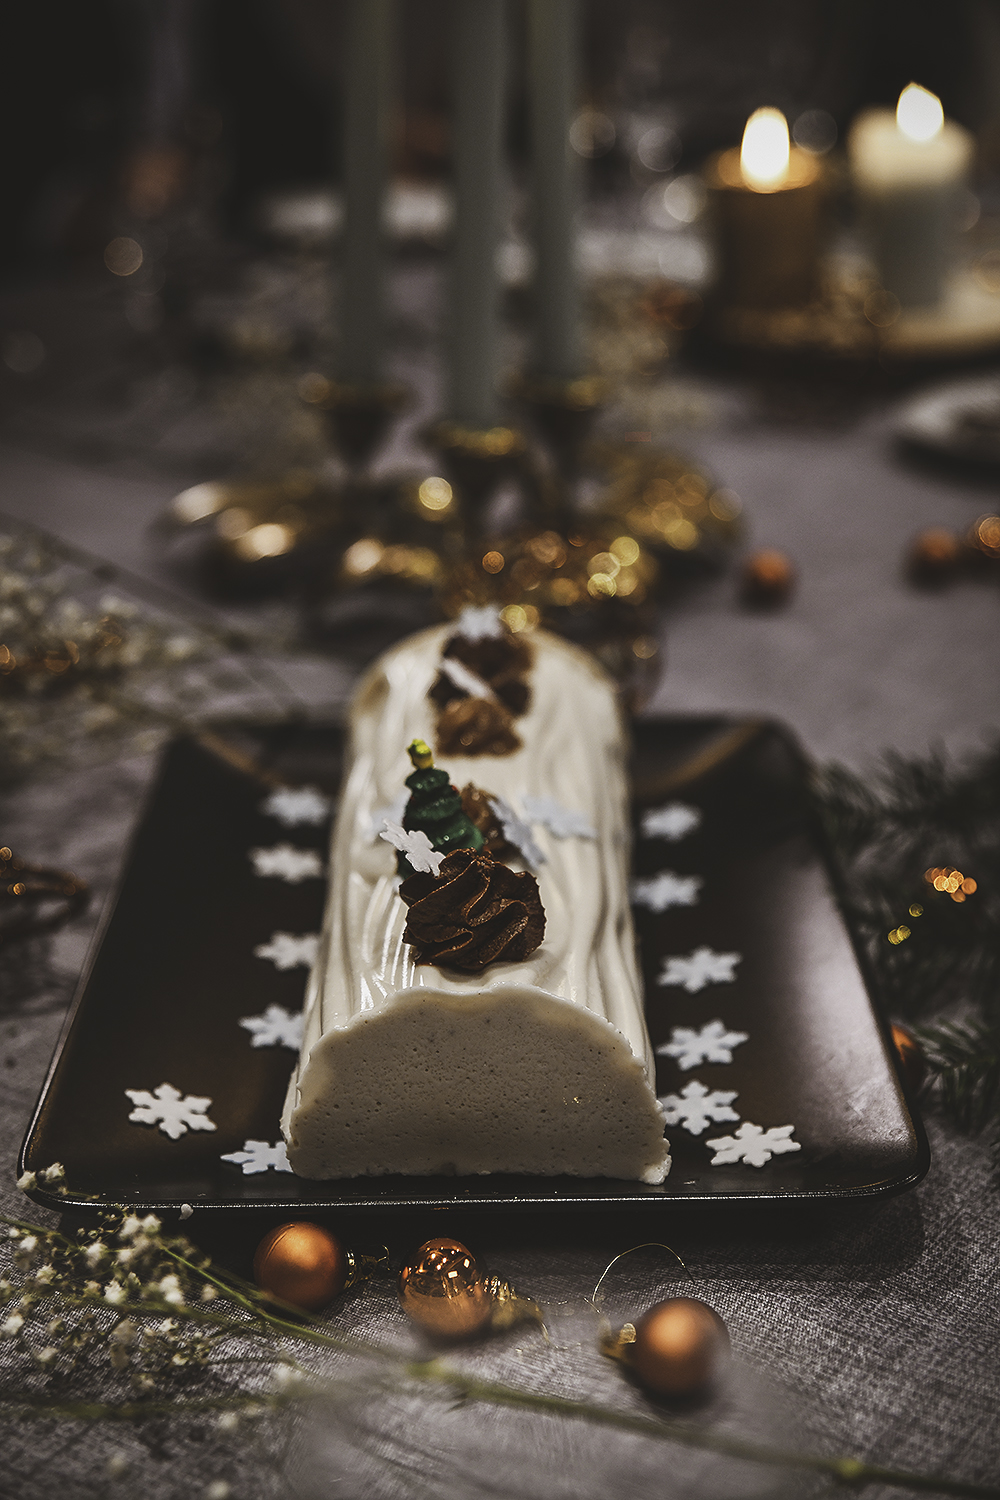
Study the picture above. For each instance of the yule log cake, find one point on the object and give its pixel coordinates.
(460, 1017)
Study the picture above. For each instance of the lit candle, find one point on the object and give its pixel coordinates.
(907, 170)
(478, 116)
(553, 50)
(367, 84)
(767, 207)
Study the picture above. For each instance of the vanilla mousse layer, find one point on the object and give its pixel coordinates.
(540, 1067)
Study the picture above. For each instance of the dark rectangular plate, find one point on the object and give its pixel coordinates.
(173, 969)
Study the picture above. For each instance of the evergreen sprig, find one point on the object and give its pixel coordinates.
(933, 957)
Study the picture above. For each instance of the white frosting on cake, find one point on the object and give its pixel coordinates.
(542, 1066)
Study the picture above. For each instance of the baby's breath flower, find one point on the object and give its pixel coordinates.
(170, 1290)
(209, 1293)
(151, 1224)
(229, 1421)
(285, 1379)
(114, 1292)
(45, 1275)
(55, 1173)
(29, 1244)
(47, 1357)
(95, 1253)
(145, 1383)
(92, 1288)
(124, 1333)
(116, 1466)
(6, 1290)
(27, 1181)
(168, 1326)
(131, 1226)
(58, 1325)
(13, 1325)
(119, 1357)
(126, 1256)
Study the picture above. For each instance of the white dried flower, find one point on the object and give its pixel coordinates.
(58, 1325)
(47, 1357)
(209, 1293)
(170, 1290)
(13, 1325)
(229, 1421)
(92, 1288)
(114, 1292)
(29, 1244)
(55, 1173)
(151, 1224)
(131, 1226)
(45, 1275)
(27, 1181)
(95, 1253)
(124, 1333)
(168, 1326)
(116, 1466)
(285, 1379)
(126, 1256)
(6, 1290)
(119, 1357)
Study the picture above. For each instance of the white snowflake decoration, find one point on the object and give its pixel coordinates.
(561, 821)
(415, 845)
(702, 967)
(467, 681)
(478, 623)
(673, 821)
(392, 813)
(259, 1156)
(292, 805)
(659, 892)
(287, 863)
(753, 1145)
(518, 833)
(713, 1044)
(286, 951)
(696, 1107)
(173, 1112)
(277, 1027)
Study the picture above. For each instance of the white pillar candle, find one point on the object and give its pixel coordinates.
(367, 88)
(907, 169)
(553, 52)
(478, 130)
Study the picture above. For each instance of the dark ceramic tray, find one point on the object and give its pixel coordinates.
(173, 969)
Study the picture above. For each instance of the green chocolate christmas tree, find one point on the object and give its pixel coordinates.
(435, 808)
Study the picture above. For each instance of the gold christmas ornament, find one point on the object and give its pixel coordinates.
(305, 1265)
(445, 1294)
(678, 1348)
(768, 577)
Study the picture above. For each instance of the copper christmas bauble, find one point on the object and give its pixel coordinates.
(443, 1292)
(934, 555)
(303, 1264)
(681, 1346)
(768, 577)
(911, 1055)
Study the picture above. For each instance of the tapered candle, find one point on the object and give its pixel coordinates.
(368, 82)
(478, 127)
(553, 52)
(907, 171)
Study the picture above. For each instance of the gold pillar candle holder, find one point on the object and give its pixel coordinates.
(475, 461)
(563, 411)
(767, 210)
(358, 414)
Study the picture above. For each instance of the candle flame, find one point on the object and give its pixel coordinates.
(765, 151)
(919, 114)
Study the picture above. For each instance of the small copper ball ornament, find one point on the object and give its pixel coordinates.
(443, 1291)
(680, 1348)
(768, 577)
(911, 1055)
(302, 1264)
(934, 555)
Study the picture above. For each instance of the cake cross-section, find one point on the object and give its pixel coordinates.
(460, 1019)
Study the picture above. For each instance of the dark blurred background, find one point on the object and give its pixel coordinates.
(130, 101)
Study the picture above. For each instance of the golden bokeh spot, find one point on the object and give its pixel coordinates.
(266, 540)
(515, 617)
(362, 556)
(645, 648)
(626, 549)
(493, 562)
(197, 503)
(435, 493)
(602, 585)
(987, 534)
(627, 582)
(681, 534)
(547, 548)
(233, 523)
(604, 562)
(562, 591)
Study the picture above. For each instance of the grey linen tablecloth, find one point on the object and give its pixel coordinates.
(872, 1333)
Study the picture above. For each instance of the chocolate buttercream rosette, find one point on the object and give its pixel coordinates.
(473, 913)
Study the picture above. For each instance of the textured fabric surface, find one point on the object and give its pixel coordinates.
(869, 1333)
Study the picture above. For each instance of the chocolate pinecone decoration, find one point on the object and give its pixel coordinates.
(470, 723)
(474, 912)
